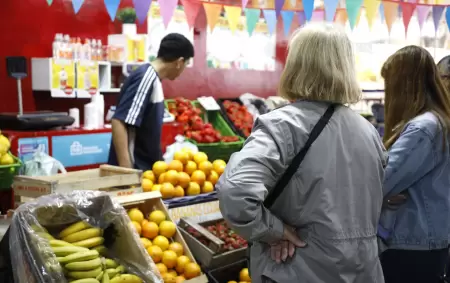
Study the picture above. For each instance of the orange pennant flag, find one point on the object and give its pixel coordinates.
(390, 13)
(341, 17)
(233, 14)
(212, 14)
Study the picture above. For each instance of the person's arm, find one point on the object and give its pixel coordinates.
(120, 142)
(247, 180)
(410, 158)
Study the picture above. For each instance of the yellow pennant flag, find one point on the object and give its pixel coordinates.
(212, 14)
(233, 14)
(371, 11)
(390, 13)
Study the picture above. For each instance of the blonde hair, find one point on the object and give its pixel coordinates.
(320, 66)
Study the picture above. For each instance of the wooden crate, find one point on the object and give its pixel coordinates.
(209, 256)
(148, 202)
(105, 178)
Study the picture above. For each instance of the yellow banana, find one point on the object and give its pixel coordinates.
(100, 276)
(101, 249)
(80, 256)
(90, 243)
(120, 269)
(83, 235)
(126, 278)
(110, 263)
(81, 225)
(86, 274)
(86, 280)
(105, 278)
(64, 251)
(84, 265)
(111, 272)
(59, 243)
(45, 235)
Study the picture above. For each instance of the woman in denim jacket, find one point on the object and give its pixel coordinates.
(417, 121)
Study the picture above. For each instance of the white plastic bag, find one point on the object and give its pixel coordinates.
(43, 164)
(179, 144)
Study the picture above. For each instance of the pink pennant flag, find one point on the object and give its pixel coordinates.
(167, 8)
(244, 4)
(191, 8)
(407, 12)
(422, 14)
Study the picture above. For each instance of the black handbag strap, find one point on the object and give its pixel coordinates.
(287, 176)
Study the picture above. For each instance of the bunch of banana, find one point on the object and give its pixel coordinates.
(82, 234)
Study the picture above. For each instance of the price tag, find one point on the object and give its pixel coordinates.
(208, 103)
(63, 78)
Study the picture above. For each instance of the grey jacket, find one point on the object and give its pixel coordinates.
(334, 199)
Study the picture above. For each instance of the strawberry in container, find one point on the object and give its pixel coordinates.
(239, 116)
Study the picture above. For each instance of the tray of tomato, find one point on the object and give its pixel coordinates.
(237, 116)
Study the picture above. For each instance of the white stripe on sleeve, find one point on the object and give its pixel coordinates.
(142, 96)
(136, 96)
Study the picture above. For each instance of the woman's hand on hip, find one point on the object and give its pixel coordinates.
(285, 248)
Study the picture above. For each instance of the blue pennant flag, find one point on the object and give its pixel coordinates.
(271, 20)
(308, 8)
(330, 9)
(447, 17)
(381, 12)
(111, 7)
(77, 5)
(287, 17)
(437, 15)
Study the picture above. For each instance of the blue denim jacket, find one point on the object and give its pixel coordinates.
(419, 167)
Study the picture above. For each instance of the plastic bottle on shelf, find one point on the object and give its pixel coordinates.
(93, 50)
(86, 50)
(99, 50)
(56, 46)
(77, 49)
(67, 47)
(99, 103)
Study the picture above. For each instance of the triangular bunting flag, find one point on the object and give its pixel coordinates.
(353, 7)
(390, 13)
(142, 7)
(233, 14)
(318, 16)
(301, 18)
(381, 11)
(244, 3)
(308, 8)
(341, 17)
(422, 14)
(49, 2)
(271, 20)
(437, 15)
(371, 11)
(278, 6)
(111, 7)
(447, 17)
(77, 5)
(330, 9)
(252, 17)
(407, 12)
(287, 17)
(212, 14)
(166, 8)
(191, 8)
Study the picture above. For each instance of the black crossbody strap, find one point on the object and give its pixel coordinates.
(286, 178)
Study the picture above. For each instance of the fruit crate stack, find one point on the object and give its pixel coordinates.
(161, 238)
(212, 242)
(208, 130)
(237, 116)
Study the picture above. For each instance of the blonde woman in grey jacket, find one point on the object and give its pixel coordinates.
(322, 227)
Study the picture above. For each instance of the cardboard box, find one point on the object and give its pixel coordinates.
(148, 202)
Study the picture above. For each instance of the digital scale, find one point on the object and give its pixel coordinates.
(34, 121)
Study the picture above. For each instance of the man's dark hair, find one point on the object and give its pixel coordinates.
(174, 46)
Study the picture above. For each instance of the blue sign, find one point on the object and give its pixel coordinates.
(81, 150)
(28, 146)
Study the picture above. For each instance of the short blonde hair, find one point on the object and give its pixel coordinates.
(320, 66)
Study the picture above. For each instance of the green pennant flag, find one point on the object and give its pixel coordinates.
(49, 2)
(252, 17)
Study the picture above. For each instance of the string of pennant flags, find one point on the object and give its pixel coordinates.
(389, 11)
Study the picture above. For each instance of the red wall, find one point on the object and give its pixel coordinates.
(29, 27)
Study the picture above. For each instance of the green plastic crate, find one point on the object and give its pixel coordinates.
(7, 173)
(219, 150)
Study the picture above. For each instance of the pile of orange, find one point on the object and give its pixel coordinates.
(244, 277)
(188, 174)
(157, 234)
